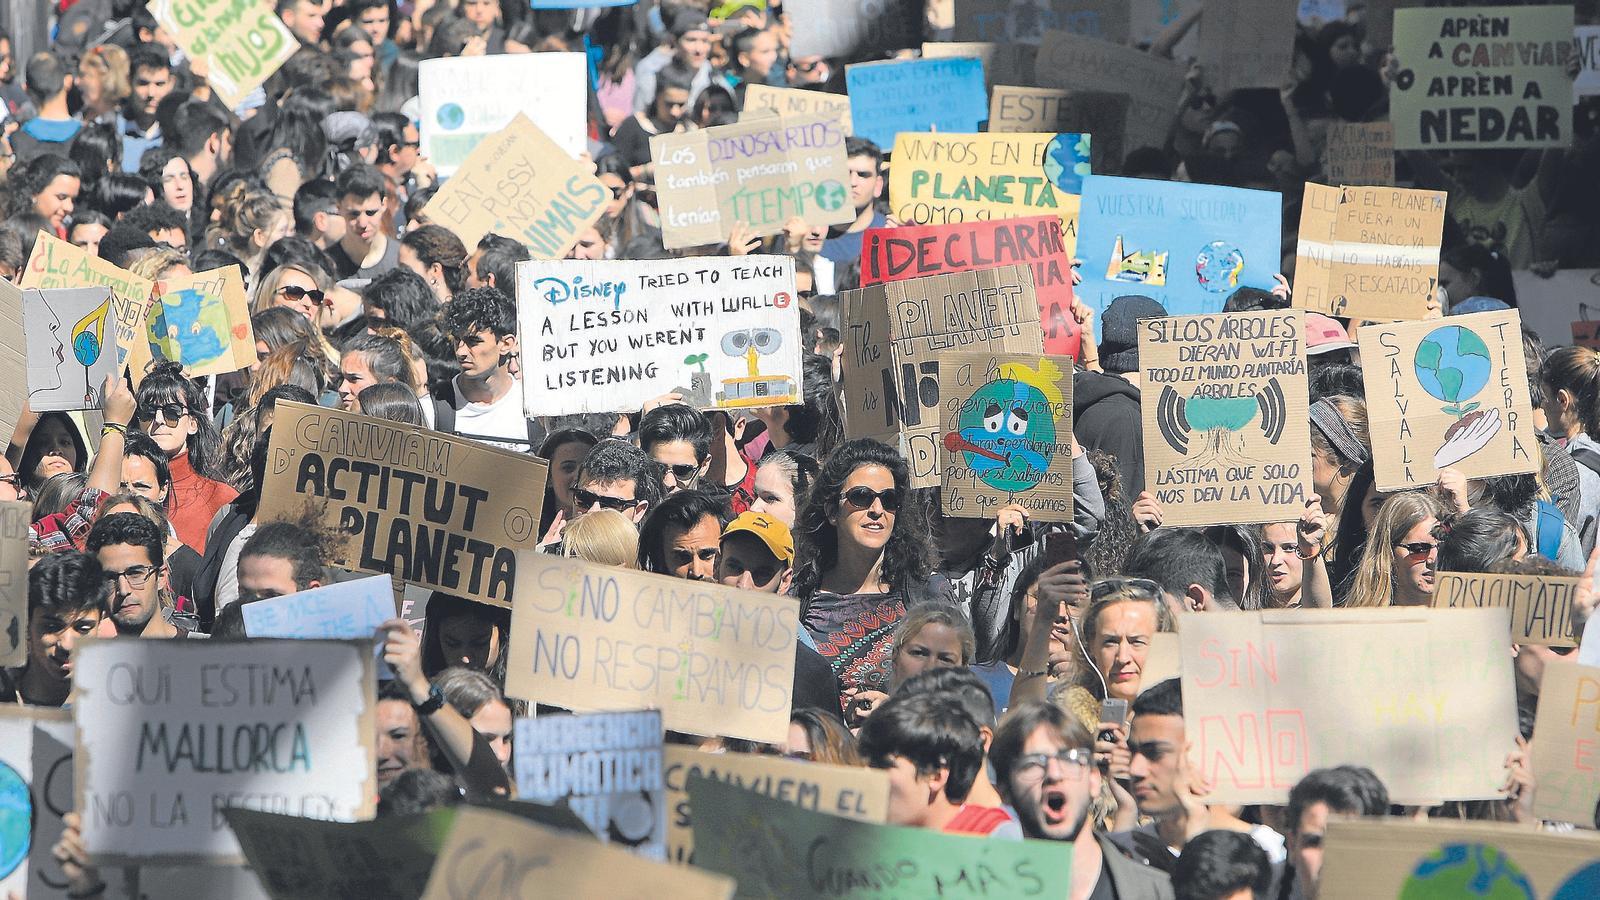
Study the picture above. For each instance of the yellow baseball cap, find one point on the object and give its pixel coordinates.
(772, 532)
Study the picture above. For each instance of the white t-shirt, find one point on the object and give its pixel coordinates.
(500, 419)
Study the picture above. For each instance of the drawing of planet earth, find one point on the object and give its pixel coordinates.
(1452, 364)
(1583, 885)
(1218, 265)
(1066, 161)
(451, 116)
(1457, 871)
(16, 820)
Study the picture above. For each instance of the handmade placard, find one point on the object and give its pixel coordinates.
(1082, 63)
(55, 263)
(1421, 860)
(715, 660)
(242, 43)
(890, 97)
(15, 516)
(1566, 757)
(1360, 153)
(465, 99)
(202, 320)
(426, 507)
(1367, 252)
(35, 792)
(1006, 435)
(71, 347)
(1449, 393)
(762, 99)
(1541, 605)
(723, 331)
(1226, 420)
(605, 767)
(953, 178)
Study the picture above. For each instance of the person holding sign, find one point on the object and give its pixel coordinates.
(485, 398)
(67, 595)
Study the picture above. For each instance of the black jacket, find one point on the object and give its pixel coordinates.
(1106, 417)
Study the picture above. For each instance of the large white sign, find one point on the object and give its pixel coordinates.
(464, 99)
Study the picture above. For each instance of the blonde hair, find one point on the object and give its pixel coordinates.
(602, 536)
(111, 62)
(155, 263)
(1374, 580)
(244, 212)
(1576, 370)
(924, 614)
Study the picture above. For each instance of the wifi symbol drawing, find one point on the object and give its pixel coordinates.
(1219, 417)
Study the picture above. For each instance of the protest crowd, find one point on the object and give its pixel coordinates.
(1093, 449)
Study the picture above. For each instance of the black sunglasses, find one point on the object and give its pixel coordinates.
(587, 499)
(296, 292)
(170, 413)
(1418, 548)
(861, 497)
(683, 473)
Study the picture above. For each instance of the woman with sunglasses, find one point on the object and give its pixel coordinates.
(864, 555)
(172, 410)
(1397, 567)
(299, 286)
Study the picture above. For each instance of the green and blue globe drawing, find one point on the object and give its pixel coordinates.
(1583, 884)
(1218, 265)
(831, 194)
(16, 820)
(1066, 161)
(451, 116)
(1452, 364)
(1467, 872)
(1011, 421)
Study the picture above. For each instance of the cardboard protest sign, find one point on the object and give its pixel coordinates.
(1586, 334)
(1419, 860)
(953, 178)
(898, 95)
(1019, 110)
(201, 320)
(1006, 424)
(58, 264)
(1566, 756)
(896, 334)
(1152, 84)
(915, 251)
(14, 518)
(759, 173)
(68, 353)
(1541, 605)
(346, 610)
(1447, 395)
(1186, 246)
(1226, 418)
(465, 99)
(1101, 114)
(13, 355)
(852, 29)
(1368, 252)
(764, 99)
(1267, 27)
(778, 849)
(1588, 41)
(1360, 153)
(170, 732)
(1496, 78)
(723, 331)
(1425, 699)
(1015, 24)
(241, 43)
(426, 507)
(606, 767)
(713, 659)
(306, 859)
(497, 854)
(35, 792)
(517, 182)
(850, 792)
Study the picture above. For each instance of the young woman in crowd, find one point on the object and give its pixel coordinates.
(783, 479)
(564, 450)
(173, 410)
(1400, 559)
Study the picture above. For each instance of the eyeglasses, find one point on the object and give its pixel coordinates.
(684, 474)
(1417, 549)
(170, 413)
(411, 144)
(861, 497)
(138, 576)
(1032, 766)
(1108, 586)
(297, 293)
(587, 499)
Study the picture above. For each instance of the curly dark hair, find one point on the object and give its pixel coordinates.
(907, 557)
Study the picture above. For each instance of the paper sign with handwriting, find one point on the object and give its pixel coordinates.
(169, 732)
(605, 767)
(426, 507)
(497, 854)
(906, 95)
(35, 791)
(763, 99)
(1360, 153)
(850, 792)
(1450, 393)
(1153, 84)
(1541, 605)
(1440, 858)
(778, 849)
(914, 251)
(1425, 699)
(202, 320)
(723, 331)
(1566, 757)
(997, 20)
(1005, 424)
(306, 859)
(242, 42)
(953, 178)
(70, 349)
(758, 173)
(715, 660)
(1101, 114)
(14, 518)
(58, 264)
(465, 99)
(13, 355)
(518, 183)
(1227, 433)
(346, 610)
(897, 332)
(1368, 252)
(1495, 78)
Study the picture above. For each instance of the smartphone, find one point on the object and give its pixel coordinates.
(1114, 711)
(1060, 547)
